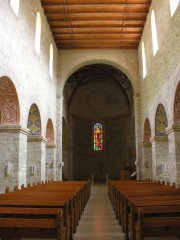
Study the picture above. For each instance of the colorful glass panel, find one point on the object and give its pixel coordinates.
(98, 136)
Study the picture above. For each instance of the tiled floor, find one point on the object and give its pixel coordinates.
(98, 221)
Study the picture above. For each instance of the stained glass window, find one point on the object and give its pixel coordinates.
(98, 137)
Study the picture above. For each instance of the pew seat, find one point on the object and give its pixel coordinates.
(20, 222)
(155, 226)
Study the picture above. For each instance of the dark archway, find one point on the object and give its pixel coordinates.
(103, 93)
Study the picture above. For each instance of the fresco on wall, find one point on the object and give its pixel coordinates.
(50, 132)
(147, 131)
(161, 120)
(9, 106)
(34, 123)
(177, 106)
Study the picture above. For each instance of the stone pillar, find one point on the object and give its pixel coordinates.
(160, 157)
(36, 159)
(147, 160)
(174, 153)
(139, 164)
(50, 161)
(65, 157)
(70, 149)
(58, 165)
(13, 156)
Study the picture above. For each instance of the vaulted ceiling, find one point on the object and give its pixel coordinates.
(96, 24)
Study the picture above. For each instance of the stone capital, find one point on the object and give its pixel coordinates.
(173, 128)
(146, 144)
(32, 138)
(50, 145)
(161, 138)
(14, 129)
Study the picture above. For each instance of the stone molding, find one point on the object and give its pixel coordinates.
(159, 139)
(36, 139)
(14, 129)
(173, 128)
(146, 144)
(50, 145)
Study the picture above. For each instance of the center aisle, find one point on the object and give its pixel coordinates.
(98, 220)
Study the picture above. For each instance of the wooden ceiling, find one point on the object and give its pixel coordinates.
(96, 24)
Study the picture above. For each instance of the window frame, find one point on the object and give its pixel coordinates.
(155, 44)
(103, 136)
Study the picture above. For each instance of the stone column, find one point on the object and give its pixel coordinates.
(160, 157)
(147, 160)
(13, 156)
(70, 149)
(50, 161)
(174, 153)
(36, 159)
(137, 109)
(58, 165)
(65, 156)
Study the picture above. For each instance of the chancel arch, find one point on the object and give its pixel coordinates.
(89, 98)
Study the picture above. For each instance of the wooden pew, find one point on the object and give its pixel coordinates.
(149, 204)
(67, 197)
(52, 195)
(33, 202)
(19, 222)
(157, 226)
(122, 192)
(143, 197)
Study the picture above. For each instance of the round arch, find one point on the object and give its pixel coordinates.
(161, 122)
(177, 105)
(50, 132)
(147, 131)
(9, 103)
(124, 61)
(34, 120)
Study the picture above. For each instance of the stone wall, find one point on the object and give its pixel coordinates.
(19, 61)
(115, 155)
(29, 73)
(163, 69)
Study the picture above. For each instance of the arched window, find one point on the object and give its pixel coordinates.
(38, 33)
(51, 61)
(143, 60)
(98, 136)
(154, 33)
(15, 6)
(173, 6)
